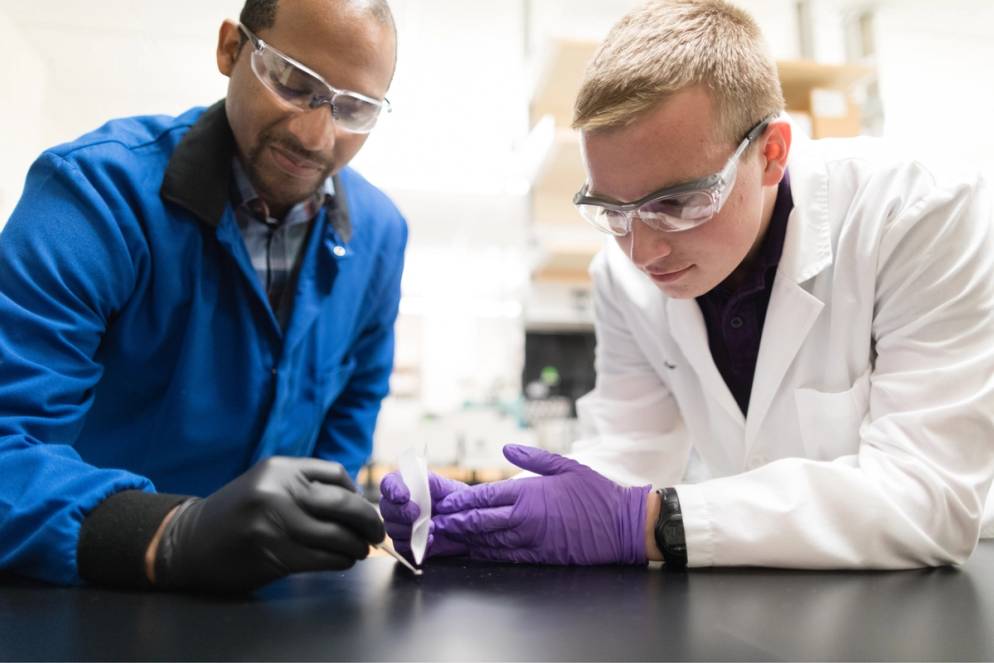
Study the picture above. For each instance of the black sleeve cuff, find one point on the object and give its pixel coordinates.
(115, 535)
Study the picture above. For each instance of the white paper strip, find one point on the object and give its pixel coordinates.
(414, 472)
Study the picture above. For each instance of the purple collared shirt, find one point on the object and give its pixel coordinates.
(734, 316)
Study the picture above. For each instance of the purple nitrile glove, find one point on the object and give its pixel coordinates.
(399, 514)
(569, 515)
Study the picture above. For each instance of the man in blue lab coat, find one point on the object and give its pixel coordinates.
(204, 306)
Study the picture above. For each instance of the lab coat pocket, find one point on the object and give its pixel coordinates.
(830, 421)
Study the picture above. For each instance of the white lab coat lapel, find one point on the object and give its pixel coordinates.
(792, 310)
(691, 334)
(683, 320)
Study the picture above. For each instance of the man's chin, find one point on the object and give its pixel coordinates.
(281, 190)
(682, 290)
(676, 293)
(284, 196)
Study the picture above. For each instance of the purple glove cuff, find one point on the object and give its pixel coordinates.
(633, 534)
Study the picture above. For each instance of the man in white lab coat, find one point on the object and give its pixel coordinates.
(795, 337)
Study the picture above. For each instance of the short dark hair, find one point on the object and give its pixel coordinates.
(258, 14)
(261, 14)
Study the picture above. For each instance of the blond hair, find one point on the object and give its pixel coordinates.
(665, 46)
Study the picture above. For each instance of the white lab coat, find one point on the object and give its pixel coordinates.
(869, 440)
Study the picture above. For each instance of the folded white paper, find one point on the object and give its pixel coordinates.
(414, 472)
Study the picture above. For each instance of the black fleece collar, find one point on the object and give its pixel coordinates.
(198, 176)
(199, 171)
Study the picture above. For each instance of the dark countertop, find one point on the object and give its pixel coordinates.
(461, 610)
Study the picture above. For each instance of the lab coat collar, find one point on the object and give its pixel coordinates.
(807, 247)
(199, 172)
(793, 310)
(686, 324)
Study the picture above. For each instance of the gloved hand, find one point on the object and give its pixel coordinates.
(283, 516)
(569, 515)
(399, 514)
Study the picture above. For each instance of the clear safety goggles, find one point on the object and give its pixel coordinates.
(305, 90)
(670, 209)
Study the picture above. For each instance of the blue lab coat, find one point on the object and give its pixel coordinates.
(138, 349)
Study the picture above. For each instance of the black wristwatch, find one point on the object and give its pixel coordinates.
(669, 531)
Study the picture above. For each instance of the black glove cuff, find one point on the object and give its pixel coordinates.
(167, 573)
(669, 533)
(116, 534)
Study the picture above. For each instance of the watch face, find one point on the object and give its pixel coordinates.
(673, 533)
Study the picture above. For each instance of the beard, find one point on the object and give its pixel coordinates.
(275, 188)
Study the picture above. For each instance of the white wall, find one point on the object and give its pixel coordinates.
(73, 64)
(936, 69)
(20, 114)
(458, 96)
(118, 57)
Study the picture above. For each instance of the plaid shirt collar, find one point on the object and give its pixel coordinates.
(245, 196)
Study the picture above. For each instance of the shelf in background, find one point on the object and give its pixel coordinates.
(560, 80)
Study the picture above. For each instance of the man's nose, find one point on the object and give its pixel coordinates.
(647, 245)
(315, 129)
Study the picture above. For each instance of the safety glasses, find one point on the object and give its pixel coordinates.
(673, 208)
(305, 90)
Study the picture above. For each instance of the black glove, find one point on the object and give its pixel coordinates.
(283, 516)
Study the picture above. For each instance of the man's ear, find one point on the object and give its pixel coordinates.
(229, 42)
(776, 148)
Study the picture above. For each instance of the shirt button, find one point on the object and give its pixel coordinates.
(736, 322)
(339, 251)
(272, 372)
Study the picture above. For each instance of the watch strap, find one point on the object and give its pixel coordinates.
(669, 532)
